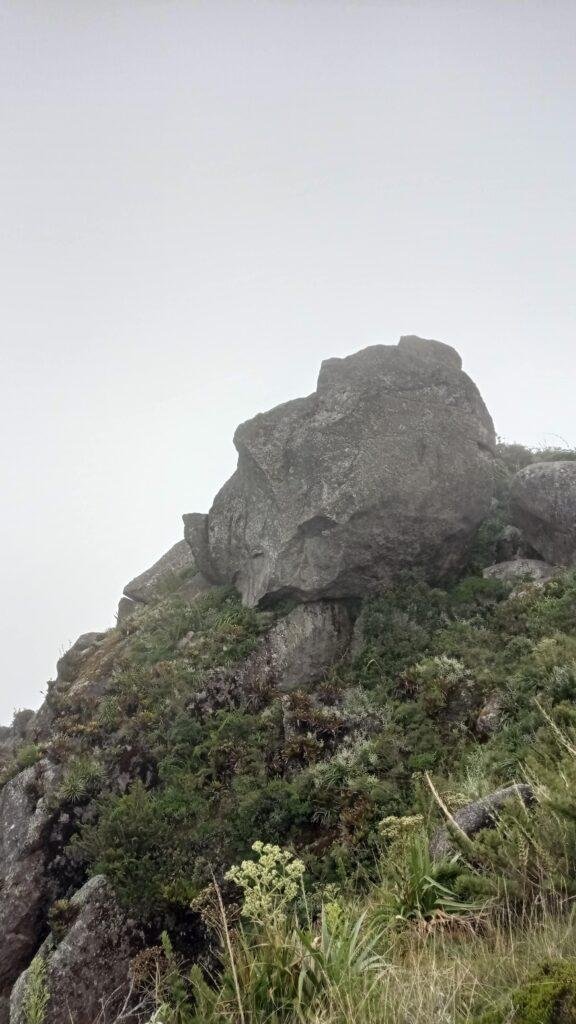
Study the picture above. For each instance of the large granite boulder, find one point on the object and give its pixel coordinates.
(86, 973)
(544, 507)
(388, 466)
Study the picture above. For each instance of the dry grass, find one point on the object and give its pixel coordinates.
(446, 979)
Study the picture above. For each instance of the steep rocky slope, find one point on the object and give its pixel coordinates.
(372, 640)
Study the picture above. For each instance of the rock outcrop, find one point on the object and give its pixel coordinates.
(295, 653)
(301, 647)
(544, 507)
(24, 823)
(71, 662)
(174, 572)
(388, 466)
(519, 569)
(87, 972)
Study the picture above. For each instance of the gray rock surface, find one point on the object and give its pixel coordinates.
(126, 608)
(174, 573)
(302, 646)
(296, 652)
(509, 544)
(87, 972)
(544, 508)
(490, 716)
(478, 815)
(520, 569)
(24, 823)
(388, 466)
(71, 662)
(167, 570)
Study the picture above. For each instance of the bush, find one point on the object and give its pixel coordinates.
(548, 998)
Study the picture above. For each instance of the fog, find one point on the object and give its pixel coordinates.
(202, 200)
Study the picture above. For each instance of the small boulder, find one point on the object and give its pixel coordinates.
(296, 653)
(174, 573)
(490, 716)
(544, 507)
(303, 645)
(478, 815)
(87, 971)
(126, 609)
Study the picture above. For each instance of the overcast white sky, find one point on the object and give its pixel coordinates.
(202, 200)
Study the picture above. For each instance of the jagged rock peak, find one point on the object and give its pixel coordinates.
(388, 466)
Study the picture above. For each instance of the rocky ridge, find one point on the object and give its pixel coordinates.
(391, 466)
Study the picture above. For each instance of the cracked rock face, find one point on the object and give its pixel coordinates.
(388, 466)
(24, 822)
(544, 507)
(87, 977)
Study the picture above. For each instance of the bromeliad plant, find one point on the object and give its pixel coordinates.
(414, 886)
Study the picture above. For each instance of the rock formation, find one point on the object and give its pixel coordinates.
(174, 572)
(388, 466)
(87, 971)
(519, 569)
(544, 507)
(24, 893)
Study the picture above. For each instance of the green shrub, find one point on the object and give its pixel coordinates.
(548, 998)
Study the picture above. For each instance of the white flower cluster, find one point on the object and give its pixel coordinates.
(392, 827)
(270, 883)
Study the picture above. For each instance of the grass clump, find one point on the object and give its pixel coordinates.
(36, 996)
(83, 779)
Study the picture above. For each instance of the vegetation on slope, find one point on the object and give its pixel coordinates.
(182, 763)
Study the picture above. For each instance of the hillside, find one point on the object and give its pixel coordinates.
(323, 767)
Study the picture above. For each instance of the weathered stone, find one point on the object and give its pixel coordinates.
(126, 609)
(509, 544)
(167, 573)
(296, 652)
(388, 466)
(520, 569)
(24, 824)
(478, 815)
(490, 716)
(87, 972)
(306, 642)
(70, 663)
(544, 507)
(358, 641)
